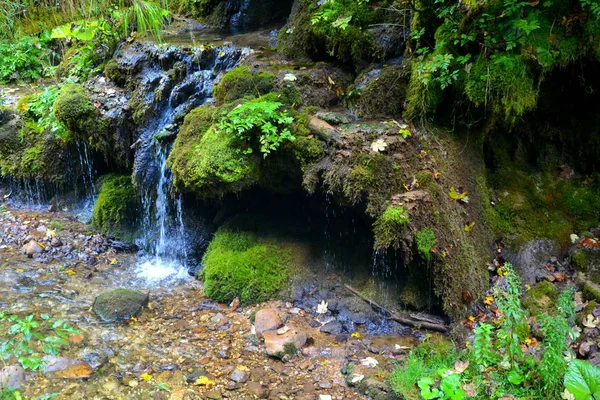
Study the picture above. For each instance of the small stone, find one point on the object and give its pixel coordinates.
(332, 328)
(220, 319)
(324, 384)
(42, 229)
(325, 397)
(257, 390)
(267, 319)
(66, 368)
(291, 341)
(120, 304)
(33, 248)
(56, 242)
(12, 377)
(238, 375)
(214, 395)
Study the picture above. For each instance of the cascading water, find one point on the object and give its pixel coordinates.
(165, 235)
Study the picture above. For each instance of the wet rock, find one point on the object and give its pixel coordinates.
(334, 118)
(531, 260)
(32, 248)
(194, 376)
(257, 390)
(119, 305)
(238, 375)
(286, 343)
(332, 328)
(56, 242)
(267, 319)
(220, 320)
(12, 377)
(66, 368)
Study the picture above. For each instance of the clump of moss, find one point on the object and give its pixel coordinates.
(591, 291)
(114, 73)
(74, 109)
(540, 299)
(425, 239)
(117, 206)
(389, 227)
(241, 265)
(381, 96)
(242, 82)
(504, 81)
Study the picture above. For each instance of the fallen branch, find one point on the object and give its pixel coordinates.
(405, 320)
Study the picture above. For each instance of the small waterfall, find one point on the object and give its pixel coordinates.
(165, 235)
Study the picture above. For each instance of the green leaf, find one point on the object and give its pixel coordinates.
(583, 380)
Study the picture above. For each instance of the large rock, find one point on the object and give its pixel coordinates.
(287, 343)
(12, 377)
(267, 319)
(531, 260)
(120, 304)
(66, 368)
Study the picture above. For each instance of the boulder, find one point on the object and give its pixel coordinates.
(278, 345)
(66, 368)
(332, 328)
(267, 319)
(531, 260)
(12, 377)
(32, 248)
(120, 305)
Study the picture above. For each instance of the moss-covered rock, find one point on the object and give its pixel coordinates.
(540, 299)
(120, 305)
(389, 227)
(591, 291)
(381, 92)
(113, 71)
(242, 82)
(587, 261)
(74, 109)
(117, 207)
(241, 264)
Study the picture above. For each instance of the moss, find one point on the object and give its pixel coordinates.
(580, 260)
(389, 227)
(114, 73)
(421, 98)
(587, 310)
(425, 239)
(504, 82)
(591, 291)
(414, 293)
(383, 95)
(242, 82)
(74, 109)
(117, 207)
(540, 299)
(242, 265)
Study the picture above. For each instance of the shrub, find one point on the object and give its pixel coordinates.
(240, 264)
(23, 60)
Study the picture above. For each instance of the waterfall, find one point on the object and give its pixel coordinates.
(165, 237)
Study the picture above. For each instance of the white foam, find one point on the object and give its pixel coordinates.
(158, 270)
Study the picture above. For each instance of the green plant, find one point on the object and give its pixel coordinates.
(258, 123)
(25, 339)
(24, 59)
(426, 240)
(582, 380)
(56, 225)
(39, 110)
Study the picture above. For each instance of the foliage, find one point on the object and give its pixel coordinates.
(39, 110)
(25, 59)
(242, 82)
(583, 380)
(503, 359)
(258, 123)
(24, 339)
(240, 264)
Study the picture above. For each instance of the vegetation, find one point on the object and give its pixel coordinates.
(241, 82)
(116, 209)
(389, 226)
(243, 265)
(502, 358)
(23, 60)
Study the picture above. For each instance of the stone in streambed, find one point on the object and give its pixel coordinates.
(12, 377)
(32, 248)
(267, 319)
(332, 328)
(66, 368)
(120, 305)
(287, 343)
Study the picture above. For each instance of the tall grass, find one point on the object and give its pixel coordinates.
(34, 16)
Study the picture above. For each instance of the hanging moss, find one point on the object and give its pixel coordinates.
(117, 207)
(242, 82)
(241, 265)
(389, 227)
(425, 239)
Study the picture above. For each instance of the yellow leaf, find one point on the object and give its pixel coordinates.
(70, 272)
(20, 270)
(471, 318)
(355, 335)
(51, 233)
(454, 195)
(469, 226)
(204, 381)
(147, 377)
(488, 300)
(221, 54)
(331, 81)
(527, 286)
(113, 262)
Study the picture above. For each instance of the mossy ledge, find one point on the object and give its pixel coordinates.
(117, 207)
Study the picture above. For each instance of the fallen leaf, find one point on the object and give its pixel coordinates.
(204, 381)
(147, 377)
(322, 307)
(369, 362)
(378, 146)
(355, 335)
(461, 366)
(590, 321)
(70, 272)
(488, 300)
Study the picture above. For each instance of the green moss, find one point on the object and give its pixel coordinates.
(591, 291)
(421, 98)
(242, 82)
(389, 227)
(580, 260)
(540, 299)
(504, 82)
(414, 293)
(425, 239)
(587, 310)
(382, 96)
(117, 207)
(114, 73)
(242, 265)
(74, 109)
